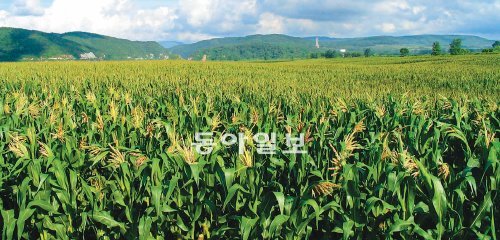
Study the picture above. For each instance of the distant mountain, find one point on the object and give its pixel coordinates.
(229, 47)
(321, 38)
(20, 44)
(169, 44)
(278, 46)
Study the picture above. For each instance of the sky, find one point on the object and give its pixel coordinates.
(195, 20)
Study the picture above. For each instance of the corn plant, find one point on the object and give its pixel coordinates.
(396, 148)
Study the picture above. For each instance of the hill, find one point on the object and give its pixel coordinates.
(21, 44)
(276, 46)
(229, 47)
(16, 44)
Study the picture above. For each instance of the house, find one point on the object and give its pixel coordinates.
(343, 52)
(87, 56)
(62, 57)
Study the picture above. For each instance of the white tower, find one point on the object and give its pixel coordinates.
(317, 42)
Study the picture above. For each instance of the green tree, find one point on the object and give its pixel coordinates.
(330, 54)
(368, 52)
(353, 54)
(456, 47)
(314, 55)
(496, 44)
(404, 52)
(436, 49)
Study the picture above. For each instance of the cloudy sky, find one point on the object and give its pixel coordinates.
(194, 20)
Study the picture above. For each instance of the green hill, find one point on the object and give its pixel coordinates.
(20, 44)
(16, 44)
(115, 48)
(245, 44)
(277, 46)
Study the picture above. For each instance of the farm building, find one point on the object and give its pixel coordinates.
(87, 56)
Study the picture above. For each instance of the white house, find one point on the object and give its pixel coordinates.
(87, 56)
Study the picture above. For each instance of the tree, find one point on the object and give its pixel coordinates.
(456, 47)
(436, 49)
(368, 52)
(496, 44)
(314, 55)
(353, 54)
(404, 52)
(330, 54)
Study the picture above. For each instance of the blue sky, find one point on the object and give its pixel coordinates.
(194, 20)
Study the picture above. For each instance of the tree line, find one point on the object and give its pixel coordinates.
(455, 49)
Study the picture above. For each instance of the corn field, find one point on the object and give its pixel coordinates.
(397, 148)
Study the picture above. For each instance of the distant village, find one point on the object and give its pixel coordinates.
(90, 56)
(342, 51)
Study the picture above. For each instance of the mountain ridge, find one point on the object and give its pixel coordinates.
(284, 46)
(21, 44)
(18, 44)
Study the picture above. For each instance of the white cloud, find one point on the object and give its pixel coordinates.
(193, 20)
(3, 15)
(27, 7)
(270, 23)
(198, 12)
(117, 18)
(219, 16)
(391, 6)
(418, 9)
(387, 27)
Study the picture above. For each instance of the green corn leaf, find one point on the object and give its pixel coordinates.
(145, 228)
(24, 215)
(482, 209)
(9, 224)
(246, 226)
(276, 223)
(281, 200)
(347, 231)
(232, 191)
(43, 204)
(156, 198)
(106, 219)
